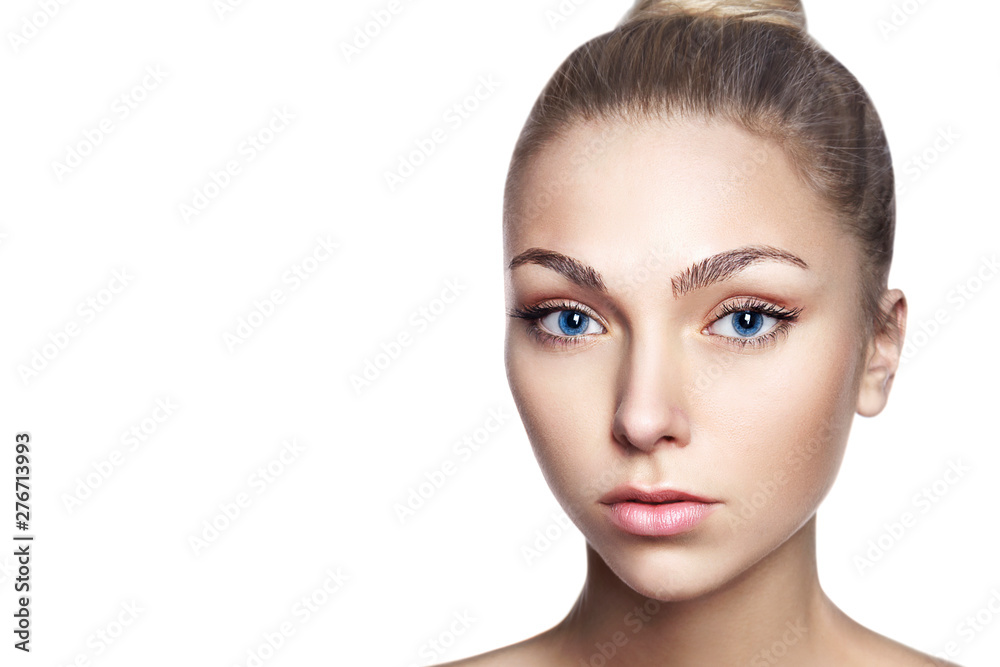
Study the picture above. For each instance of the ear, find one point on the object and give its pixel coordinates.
(883, 354)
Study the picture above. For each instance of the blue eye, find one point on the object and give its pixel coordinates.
(570, 323)
(747, 323)
(743, 324)
(752, 322)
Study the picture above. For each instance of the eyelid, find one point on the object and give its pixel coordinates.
(740, 304)
(586, 310)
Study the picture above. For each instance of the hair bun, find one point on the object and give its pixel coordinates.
(782, 12)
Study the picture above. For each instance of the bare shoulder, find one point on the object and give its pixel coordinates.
(908, 657)
(538, 651)
(881, 651)
(500, 657)
(859, 646)
(904, 656)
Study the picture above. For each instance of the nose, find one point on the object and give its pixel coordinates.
(652, 411)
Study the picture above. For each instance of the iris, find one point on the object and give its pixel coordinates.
(747, 323)
(572, 322)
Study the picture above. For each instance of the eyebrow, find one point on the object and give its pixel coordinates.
(705, 272)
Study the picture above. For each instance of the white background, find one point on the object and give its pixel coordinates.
(192, 281)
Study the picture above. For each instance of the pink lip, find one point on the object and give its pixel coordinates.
(656, 513)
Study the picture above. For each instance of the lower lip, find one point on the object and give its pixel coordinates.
(659, 520)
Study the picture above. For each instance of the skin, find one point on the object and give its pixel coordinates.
(656, 393)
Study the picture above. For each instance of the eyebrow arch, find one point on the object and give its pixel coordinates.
(702, 273)
(573, 269)
(722, 266)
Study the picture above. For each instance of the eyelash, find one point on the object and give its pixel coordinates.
(785, 318)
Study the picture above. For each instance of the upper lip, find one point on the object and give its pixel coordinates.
(626, 493)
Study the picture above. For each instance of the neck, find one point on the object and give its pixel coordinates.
(774, 609)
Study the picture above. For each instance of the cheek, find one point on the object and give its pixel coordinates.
(781, 422)
(563, 404)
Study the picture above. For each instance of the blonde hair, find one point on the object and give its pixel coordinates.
(782, 12)
(751, 63)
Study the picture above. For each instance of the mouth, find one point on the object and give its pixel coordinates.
(631, 494)
(656, 512)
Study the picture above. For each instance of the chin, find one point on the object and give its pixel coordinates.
(669, 575)
(709, 559)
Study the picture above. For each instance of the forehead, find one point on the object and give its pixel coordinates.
(687, 189)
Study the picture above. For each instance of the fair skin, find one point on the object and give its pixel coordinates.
(650, 385)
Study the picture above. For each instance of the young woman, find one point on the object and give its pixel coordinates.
(698, 229)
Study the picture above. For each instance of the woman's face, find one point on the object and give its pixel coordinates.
(711, 348)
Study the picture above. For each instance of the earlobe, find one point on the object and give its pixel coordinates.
(883, 355)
